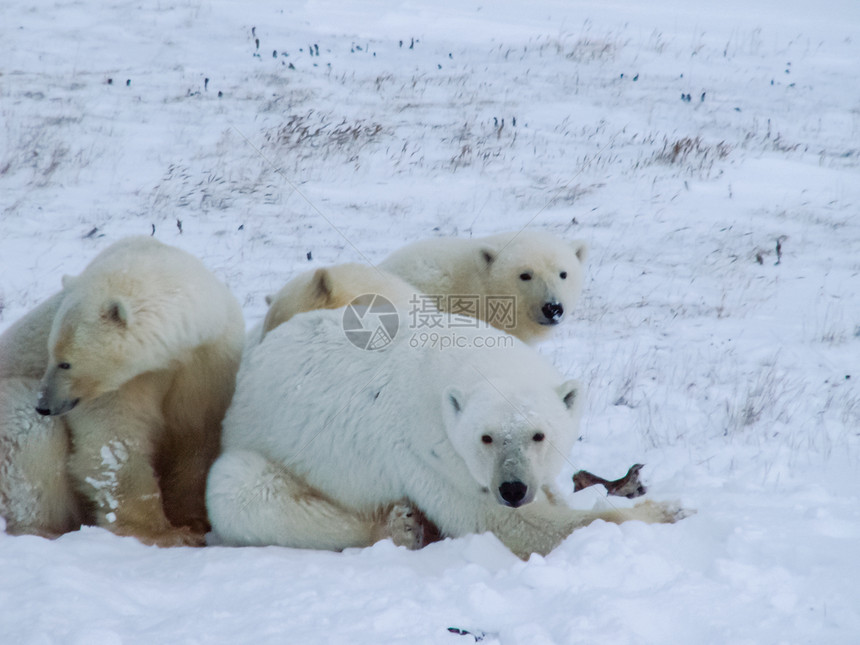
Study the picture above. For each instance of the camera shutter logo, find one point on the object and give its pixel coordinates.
(370, 321)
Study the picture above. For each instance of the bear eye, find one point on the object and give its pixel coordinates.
(538, 436)
(487, 439)
(563, 275)
(64, 366)
(525, 277)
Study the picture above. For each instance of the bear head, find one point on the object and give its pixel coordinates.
(543, 272)
(513, 443)
(98, 341)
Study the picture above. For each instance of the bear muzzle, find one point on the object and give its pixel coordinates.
(514, 493)
(552, 313)
(52, 409)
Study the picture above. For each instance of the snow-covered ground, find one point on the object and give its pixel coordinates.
(684, 140)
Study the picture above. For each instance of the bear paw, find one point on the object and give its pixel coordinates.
(167, 538)
(403, 525)
(661, 512)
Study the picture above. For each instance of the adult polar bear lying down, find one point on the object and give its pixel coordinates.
(322, 437)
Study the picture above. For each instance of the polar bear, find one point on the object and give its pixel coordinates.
(137, 357)
(523, 283)
(330, 287)
(323, 437)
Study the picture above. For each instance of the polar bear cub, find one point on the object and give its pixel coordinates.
(137, 357)
(524, 283)
(321, 435)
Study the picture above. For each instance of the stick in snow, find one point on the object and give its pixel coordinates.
(628, 486)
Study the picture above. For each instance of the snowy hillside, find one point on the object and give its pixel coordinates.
(708, 152)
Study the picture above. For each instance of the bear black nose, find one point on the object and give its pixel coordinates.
(43, 411)
(513, 492)
(553, 311)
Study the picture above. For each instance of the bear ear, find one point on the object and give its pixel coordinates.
(321, 285)
(488, 255)
(570, 393)
(452, 404)
(581, 249)
(268, 300)
(68, 281)
(117, 312)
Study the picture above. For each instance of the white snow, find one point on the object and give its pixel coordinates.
(113, 456)
(734, 379)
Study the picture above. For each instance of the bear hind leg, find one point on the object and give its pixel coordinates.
(255, 501)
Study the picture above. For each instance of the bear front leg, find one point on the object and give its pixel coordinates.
(193, 410)
(182, 479)
(111, 466)
(541, 526)
(253, 501)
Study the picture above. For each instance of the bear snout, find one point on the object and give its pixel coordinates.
(552, 311)
(44, 407)
(513, 493)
